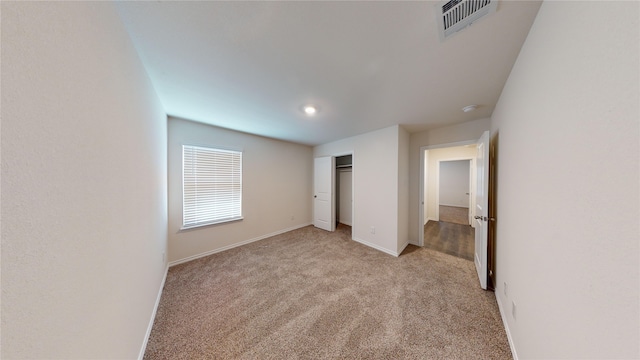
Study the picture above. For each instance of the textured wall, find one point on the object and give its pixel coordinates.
(83, 184)
(568, 174)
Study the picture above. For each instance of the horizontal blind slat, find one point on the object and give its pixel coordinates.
(212, 185)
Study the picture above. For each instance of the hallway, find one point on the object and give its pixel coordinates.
(449, 235)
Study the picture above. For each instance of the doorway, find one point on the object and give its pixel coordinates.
(431, 184)
(447, 198)
(334, 193)
(454, 191)
(479, 152)
(344, 192)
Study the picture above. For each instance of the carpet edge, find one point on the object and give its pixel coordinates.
(229, 247)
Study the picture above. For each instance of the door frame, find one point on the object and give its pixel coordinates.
(353, 188)
(421, 204)
(328, 199)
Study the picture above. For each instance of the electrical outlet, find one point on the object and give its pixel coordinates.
(505, 289)
(293, 217)
(164, 257)
(373, 230)
(513, 309)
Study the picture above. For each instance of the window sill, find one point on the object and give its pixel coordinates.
(218, 222)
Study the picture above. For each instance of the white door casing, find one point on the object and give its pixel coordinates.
(481, 216)
(323, 185)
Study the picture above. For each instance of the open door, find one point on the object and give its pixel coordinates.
(481, 217)
(323, 185)
(491, 245)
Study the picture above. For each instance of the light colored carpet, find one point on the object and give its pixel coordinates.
(311, 294)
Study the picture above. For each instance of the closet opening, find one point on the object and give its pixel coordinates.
(344, 193)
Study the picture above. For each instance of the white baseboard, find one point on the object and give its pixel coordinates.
(153, 315)
(402, 248)
(377, 247)
(503, 315)
(228, 247)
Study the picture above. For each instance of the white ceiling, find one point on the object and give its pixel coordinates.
(250, 66)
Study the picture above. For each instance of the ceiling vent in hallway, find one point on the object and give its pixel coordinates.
(455, 15)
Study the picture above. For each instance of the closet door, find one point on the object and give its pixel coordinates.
(323, 184)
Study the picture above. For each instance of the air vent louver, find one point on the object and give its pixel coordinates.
(456, 15)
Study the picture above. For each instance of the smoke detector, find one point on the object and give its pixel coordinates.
(455, 15)
(469, 108)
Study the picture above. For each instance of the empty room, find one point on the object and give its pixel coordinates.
(253, 180)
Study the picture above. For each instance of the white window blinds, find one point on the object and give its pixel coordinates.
(211, 186)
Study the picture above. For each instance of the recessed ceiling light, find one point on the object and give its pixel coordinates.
(469, 108)
(310, 110)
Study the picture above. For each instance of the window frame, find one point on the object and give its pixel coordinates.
(236, 174)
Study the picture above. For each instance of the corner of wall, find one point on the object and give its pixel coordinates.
(277, 178)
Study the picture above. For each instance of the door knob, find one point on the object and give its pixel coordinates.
(478, 217)
(315, 196)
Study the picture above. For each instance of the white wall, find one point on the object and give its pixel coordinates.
(444, 154)
(469, 131)
(454, 183)
(276, 185)
(84, 222)
(403, 188)
(375, 177)
(568, 175)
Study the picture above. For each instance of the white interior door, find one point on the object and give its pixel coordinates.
(323, 185)
(481, 211)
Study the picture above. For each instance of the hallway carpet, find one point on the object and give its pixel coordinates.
(312, 294)
(453, 239)
(454, 214)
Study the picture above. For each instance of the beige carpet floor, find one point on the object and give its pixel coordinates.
(311, 294)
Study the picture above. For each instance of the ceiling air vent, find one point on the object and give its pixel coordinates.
(456, 15)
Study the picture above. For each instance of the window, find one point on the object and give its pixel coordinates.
(211, 186)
